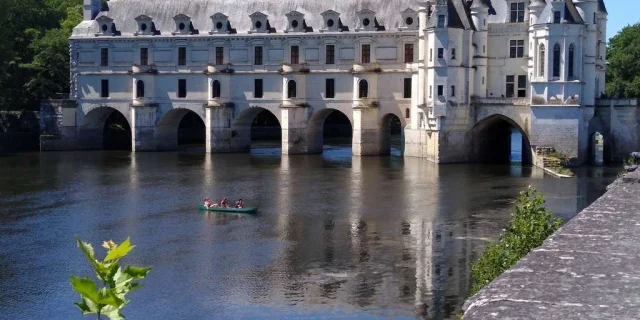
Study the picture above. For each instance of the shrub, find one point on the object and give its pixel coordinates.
(530, 225)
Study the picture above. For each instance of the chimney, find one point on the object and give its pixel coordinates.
(91, 9)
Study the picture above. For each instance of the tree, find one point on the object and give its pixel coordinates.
(117, 282)
(623, 55)
(530, 225)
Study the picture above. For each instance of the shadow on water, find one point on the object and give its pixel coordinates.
(337, 236)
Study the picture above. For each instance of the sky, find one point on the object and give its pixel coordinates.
(621, 14)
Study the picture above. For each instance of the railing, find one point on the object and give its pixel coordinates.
(505, 101)
(617, 102)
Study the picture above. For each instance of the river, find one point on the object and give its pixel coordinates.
(337, 237)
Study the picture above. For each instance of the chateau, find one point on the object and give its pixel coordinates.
(460, 75)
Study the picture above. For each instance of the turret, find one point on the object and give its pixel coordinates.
(90, 9)
(535, 9)
(423, 19)
(479, 13)
(587, 10)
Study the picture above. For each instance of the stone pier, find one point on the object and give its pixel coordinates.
(589, 269)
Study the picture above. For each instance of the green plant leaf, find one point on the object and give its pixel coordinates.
(85, 308)
(108, 297)
(137, 272)
(122, 250)
(112, 312)
(86, 288)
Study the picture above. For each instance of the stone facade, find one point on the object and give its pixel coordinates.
(442, 67)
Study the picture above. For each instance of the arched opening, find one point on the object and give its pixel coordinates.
(330, 129)
(105, 128)
(556, 61)
(215, 89)
(542, 58)
(596, 149)
(363, 89)
(499, 140)
(139, 89)
(291, 89)
(258, 129)
(391, 135)
(571, 61)
(180, 128)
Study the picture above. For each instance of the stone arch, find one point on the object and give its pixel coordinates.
(597, 125)
(491, 140)
(91, 131)
(391, 125)
(166, 131)
(242, 126)
(316, 128)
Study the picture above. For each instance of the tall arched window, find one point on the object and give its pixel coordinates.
(363, 89)
(291, 89)
(542, 59)
(571, 61)
(215, 89)
(556, 61)
(139, 89)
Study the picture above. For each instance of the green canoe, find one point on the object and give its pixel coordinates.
(246, 210)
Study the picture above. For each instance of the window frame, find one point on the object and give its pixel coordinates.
(294, 54)
(542, 51)
(182, 88)
(510, 86)
(516, 48)
(442, 21)
(140, 89)
(104, 88)
(258, 84)
(182, 56)
(330, 54)
(365, 53)
(219, 55)
(258, 56)
(557, 56)
(292, 89)
(521, 86)
(363, 89)
(571, 62)
(144, 56)
(440, 90)
(407, 88)
(216, 89)
(408, 52)
(517, 12)
(330, 90)
(440, 53)
(104, 57)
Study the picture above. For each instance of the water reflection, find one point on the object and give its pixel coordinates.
(337, 236)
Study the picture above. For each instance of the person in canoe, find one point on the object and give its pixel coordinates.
(209, 204)
(224, 203)
(239, 204)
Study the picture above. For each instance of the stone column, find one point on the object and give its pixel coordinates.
(143, 128)
(221, 137)
(366, 131)
(295, 133)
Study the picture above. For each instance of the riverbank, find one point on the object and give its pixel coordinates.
(19, 131)
(589, 269)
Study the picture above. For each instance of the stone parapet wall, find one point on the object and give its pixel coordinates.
(586, 270)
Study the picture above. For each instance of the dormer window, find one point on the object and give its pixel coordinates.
(557, 17)
(331, 21)
(409, 20)
(183, 24)
(106, 26)
(517, 12)
(296, 22)
(441, 20)
(366, 20)
(219, 23)
(259, 23)
(145, 25)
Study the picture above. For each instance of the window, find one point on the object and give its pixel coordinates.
(257, 56)
(557, 17)
(408, 52)
(104, 88)
(482, 80)
(440, 53)
(516, 48)
(366, 53)
(517, 12)
(430, 91)
(453, 53)
(510, 86)
(139, 89)
(295, 54)
(363, 89)
(182, 56)
(430, 54)
(215, 89)
(441, 18)
(257, 88)
(291, 89)
(522, 86)
(330, 57)
(144, 56)
(330, 88)
(407, 88)
(571, 61)
(594, 18)
(453, 91)
(407, 113)
(556, 61)
(104, 57)
(542, 59)
(182, 88)
(440, 90)
(219, 55)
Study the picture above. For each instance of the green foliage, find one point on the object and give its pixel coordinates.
(110, 299)
(34, 50)
(623, 56)
(530, 225)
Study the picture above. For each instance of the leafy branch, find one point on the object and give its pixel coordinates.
(116, 281)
